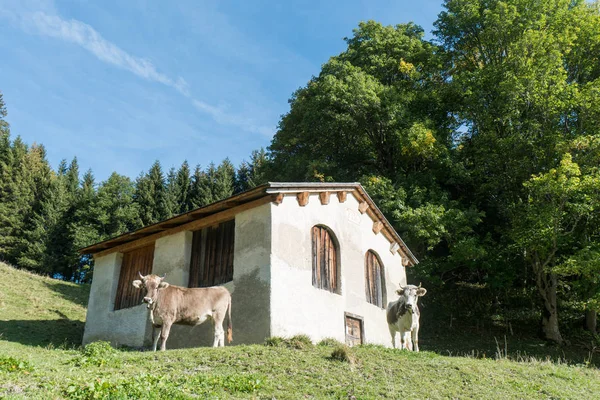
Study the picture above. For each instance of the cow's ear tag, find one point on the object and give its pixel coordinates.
(137, 283)
(163, 285)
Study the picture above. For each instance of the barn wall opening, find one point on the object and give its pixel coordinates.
(212, 255)
(134, 261)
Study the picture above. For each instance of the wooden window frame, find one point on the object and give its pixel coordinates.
(370, 289)
(212, 246)
(137, 260)
(326, 271)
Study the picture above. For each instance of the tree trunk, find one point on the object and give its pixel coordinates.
(547, 287)
(591, 320)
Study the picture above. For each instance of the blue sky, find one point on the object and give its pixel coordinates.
(119, 84)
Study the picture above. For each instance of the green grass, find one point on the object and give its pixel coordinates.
(40, 311)
(34, 366)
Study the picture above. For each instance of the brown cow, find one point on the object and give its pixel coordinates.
(170, 304)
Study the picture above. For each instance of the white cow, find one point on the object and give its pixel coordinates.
(403, 316)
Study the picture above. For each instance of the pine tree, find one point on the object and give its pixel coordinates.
(52, 227)
(183, 185)
(242, 176)
(116, 210)
(34, 183)
(171, 194)
(195, 194)
(207, 185)
(251, 174)
(4, 136)
(150, 195)
(85, 225)
(223, 181)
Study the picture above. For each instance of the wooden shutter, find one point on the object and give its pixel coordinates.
(134, 261)
(373, 279)
(212, 255)
(324, 260)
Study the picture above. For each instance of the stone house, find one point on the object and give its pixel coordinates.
(299, 258)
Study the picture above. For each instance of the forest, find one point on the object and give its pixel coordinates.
(481, 146)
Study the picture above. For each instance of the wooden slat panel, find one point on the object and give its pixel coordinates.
(324, 260)
(215, 255)
(221, 266)
(324, 272)
(314, 255)
(333, 268)
(373, 279)
(229, 250)
(138, 260)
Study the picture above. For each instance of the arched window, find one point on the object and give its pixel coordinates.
(374, 282)
(324, 259)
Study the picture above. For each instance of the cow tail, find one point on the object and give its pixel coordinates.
(229, 324)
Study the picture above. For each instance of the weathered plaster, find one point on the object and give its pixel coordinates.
(249, 288)
(121, 327)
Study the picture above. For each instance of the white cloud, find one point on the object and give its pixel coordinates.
(49, 24)
(87, 37)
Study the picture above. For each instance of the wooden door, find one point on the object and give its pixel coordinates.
(354, 330)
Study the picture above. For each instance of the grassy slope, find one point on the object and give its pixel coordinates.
(35, 311)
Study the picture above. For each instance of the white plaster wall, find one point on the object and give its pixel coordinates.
(121, 327)
(250, 289)
(299, 308)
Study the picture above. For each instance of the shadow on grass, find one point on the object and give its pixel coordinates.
(56, 332)
(493, 343)
(78, 294)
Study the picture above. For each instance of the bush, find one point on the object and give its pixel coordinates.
(275, 341)
(97, 353)
(11, 364)
(298, 342)
(143, 386)
(329, 342)
(161, 387)
(343, 353)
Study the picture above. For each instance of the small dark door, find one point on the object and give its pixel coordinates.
(354, 330)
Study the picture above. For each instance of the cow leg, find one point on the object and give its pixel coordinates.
(219, 333)
(415, 338)
(393, 335)
(218, 319)
(164, 335)
(156, 335)
(406, 340)
(402, 338)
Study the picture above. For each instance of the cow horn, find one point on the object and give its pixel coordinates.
(163, 276)
(141, 276)
(419, 284)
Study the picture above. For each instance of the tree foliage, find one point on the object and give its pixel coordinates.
(480, 146)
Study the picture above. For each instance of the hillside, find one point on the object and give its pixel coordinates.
(39, 314)
(37, 310)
